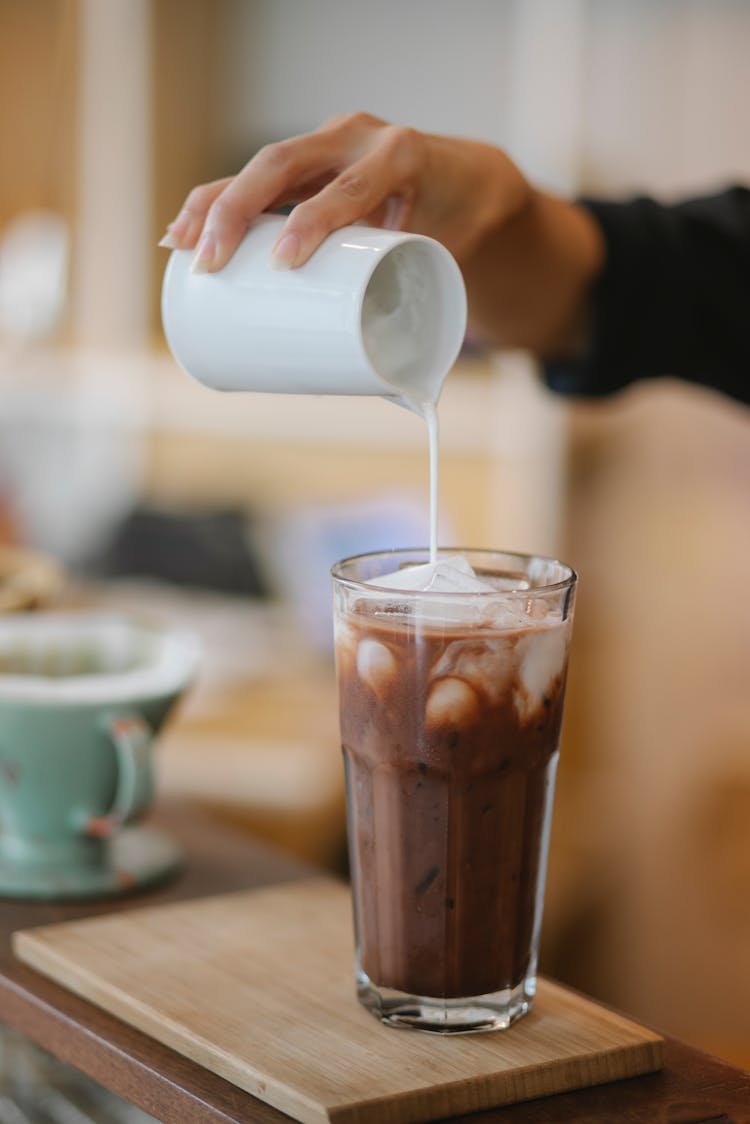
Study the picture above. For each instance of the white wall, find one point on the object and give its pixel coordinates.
(614, 94)
(437, 65)
(667, 91)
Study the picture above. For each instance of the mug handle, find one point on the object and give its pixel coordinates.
(131, 737)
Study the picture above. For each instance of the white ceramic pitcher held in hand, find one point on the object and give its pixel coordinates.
(372, 312)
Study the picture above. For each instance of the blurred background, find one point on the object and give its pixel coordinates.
(151, 492)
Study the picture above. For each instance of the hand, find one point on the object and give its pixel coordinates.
(354, 167)
(528, 258)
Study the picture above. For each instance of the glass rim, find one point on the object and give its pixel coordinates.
(342, 579)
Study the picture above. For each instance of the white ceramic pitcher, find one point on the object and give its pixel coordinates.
(372, 312)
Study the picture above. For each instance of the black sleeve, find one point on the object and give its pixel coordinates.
(673, 297)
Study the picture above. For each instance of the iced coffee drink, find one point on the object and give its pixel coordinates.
(451, 683)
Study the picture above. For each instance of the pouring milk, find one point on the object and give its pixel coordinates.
(373, 312)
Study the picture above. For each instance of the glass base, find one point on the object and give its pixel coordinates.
(496, 1011)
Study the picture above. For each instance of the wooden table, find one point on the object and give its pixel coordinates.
(693, 1088)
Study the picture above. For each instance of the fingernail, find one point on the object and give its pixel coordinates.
(177, 231)
(284, 253)
(204, 255)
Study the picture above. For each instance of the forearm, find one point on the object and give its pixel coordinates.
(528, 280)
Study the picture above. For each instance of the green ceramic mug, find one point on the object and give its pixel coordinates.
(82, 697)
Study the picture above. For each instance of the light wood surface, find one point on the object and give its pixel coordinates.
(257, 987)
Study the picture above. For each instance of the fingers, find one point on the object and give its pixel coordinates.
(183, 232)
(279, 173)
(353, 167)
(381, 183)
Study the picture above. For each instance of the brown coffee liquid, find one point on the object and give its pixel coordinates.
(450, 774)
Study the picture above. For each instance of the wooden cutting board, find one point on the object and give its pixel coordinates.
(257, 987)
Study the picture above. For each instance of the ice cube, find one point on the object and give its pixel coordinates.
(345, 646)
(455, 575)
(376, 666)
(484, 664)
(506, 616)
(452, 702)
(541, 659)
(408, 577)
(442, 580)
(508, 582)
(447, 575)
(537, 608)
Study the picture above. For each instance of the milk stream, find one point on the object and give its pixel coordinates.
(431, 417)
(396, 306)
(428, 411)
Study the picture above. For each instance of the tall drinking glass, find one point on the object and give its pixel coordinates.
(450, 712)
